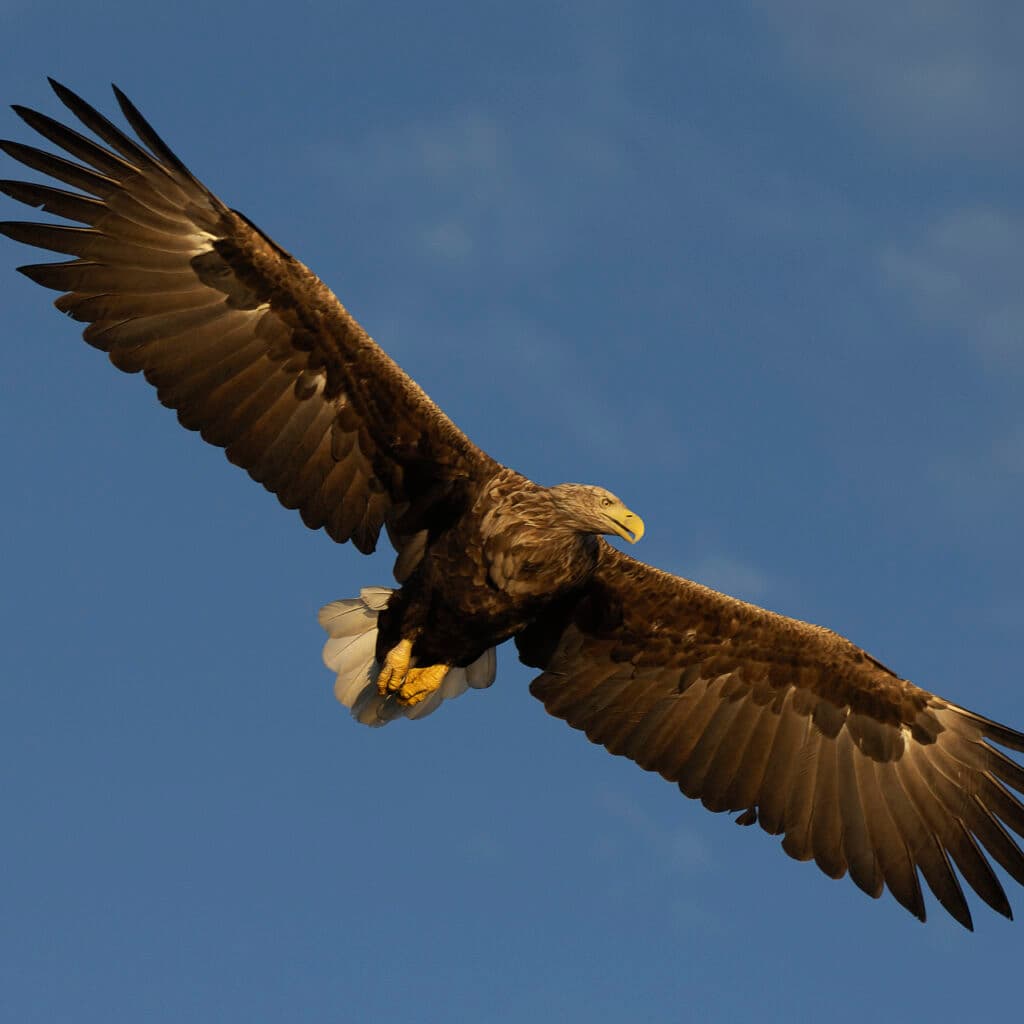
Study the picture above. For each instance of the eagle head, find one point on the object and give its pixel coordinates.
(592, 509)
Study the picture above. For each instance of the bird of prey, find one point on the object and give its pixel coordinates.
(787, 723)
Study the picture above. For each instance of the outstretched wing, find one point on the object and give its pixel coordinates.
(237, 335)
(789, 723)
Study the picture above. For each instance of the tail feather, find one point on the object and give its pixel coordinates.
(482, 672)
(351, 626)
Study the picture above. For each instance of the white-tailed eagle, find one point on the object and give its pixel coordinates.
(787, 723)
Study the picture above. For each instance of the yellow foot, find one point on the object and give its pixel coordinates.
(407, 685)
(420, 683)
(392, 672)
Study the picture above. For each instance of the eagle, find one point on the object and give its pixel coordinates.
(787, 724)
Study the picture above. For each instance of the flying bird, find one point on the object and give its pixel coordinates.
(787, 723)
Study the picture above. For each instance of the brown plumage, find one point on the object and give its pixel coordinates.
(788, 723)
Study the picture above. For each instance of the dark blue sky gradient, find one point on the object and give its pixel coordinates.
(756, 267)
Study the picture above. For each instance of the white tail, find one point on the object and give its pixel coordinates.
(349, 653)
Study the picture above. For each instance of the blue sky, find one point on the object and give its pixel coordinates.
(756, 267)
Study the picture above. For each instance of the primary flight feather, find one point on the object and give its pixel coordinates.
(788, 723)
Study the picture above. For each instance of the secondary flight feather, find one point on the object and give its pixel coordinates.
(787, 723)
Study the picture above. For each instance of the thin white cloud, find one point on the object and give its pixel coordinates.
(673, 850)
(731, 576)
(466, 143)
(966, 272)
(942, 74)
(458, 182)
(448, 240)
(467, 187)
(565, 388)
(976, 486)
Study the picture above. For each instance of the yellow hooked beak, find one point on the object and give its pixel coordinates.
(626, 524)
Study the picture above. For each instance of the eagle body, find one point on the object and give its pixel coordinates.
(785, 723)
(484, 577)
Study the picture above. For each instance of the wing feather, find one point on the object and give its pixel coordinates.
(948, 827)
(139, 304)
(857, 769)
(796, 840)
(781, 768)
(858, 851)
(240, 338)
(826, 823)
(694, 769)
(57, 201)
(670, 730)
(748, 776)
(63, 170)
(603, 690)
(929, 854)
(722, 768)
(625, 712)
(895, 858)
